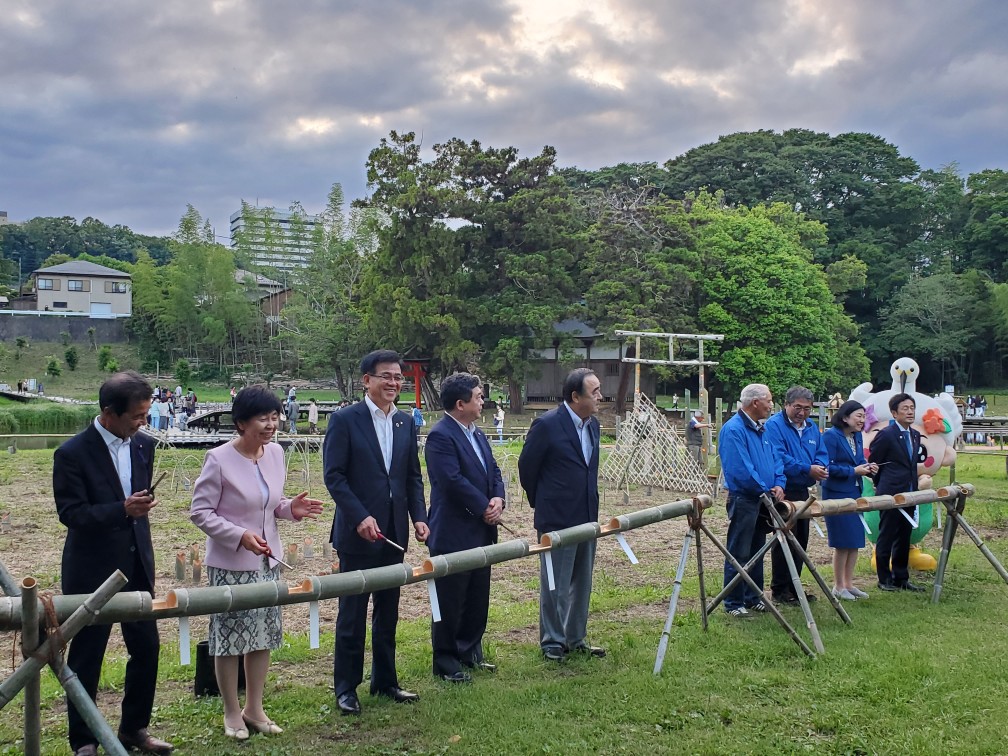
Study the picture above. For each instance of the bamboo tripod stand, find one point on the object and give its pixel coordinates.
(782, 536)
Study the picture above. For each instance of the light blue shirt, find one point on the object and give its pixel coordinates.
(470, 431)
(584, 433)
(119, 450)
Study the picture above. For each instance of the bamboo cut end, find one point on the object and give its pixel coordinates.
(28, 584)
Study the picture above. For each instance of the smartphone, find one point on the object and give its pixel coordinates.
(150, 489)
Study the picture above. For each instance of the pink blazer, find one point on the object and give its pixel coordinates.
(227, 501)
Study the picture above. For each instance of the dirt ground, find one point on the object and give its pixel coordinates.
(31, 542)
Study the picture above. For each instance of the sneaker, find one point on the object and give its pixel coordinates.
(843, 593)
(739, 612)
(759, 607)
(859, 593)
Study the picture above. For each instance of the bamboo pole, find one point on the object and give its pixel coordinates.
(673, 601)
(7, 583)
(741, 572)
(32, 690)
(975, 537)
(84, 615)
(951, 525)
(695, 519)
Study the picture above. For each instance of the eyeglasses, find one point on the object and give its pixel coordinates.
(802, 407)
(388, 377)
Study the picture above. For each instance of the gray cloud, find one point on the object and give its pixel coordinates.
(126, 112)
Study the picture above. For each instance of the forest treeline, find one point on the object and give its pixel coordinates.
(821, 258)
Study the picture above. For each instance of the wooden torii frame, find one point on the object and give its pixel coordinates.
(700, 362)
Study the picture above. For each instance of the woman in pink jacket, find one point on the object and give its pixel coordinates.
(236, 502)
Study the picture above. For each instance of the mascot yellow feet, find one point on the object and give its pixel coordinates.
(918, 560)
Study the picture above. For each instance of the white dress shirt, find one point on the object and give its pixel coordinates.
(383, 429)
(119, 450)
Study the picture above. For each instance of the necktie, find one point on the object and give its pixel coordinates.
(909, 445)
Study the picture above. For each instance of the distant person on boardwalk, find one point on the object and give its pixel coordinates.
(237, 501)
(371, 466)
(312, 416)
(100, 482)
(499, 423)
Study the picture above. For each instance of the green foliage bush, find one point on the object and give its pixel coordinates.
(183, 373)
(104, 355)
(9, 423)
(51, 418)
(112, 365)
(53, 367)
(71, 357)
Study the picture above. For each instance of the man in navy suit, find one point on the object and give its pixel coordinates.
(896, 449)
(558, 468)
(372, 470)
(467, 498)
(100, 482)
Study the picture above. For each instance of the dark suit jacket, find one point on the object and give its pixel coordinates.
(359, 485)
(461, 488)
(561, 488)
(899, 474)
(101, 538)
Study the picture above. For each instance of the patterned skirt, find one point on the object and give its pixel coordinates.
(238, 633)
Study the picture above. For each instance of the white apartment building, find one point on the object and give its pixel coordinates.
(273, 238)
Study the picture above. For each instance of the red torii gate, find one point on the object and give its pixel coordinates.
(416, 370)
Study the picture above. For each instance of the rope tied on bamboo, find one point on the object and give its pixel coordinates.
(52, 628)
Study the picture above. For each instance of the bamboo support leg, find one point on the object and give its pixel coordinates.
(734, 581)
(752, 584)
(975, 537)
(700, 576)
(29, 642)
(7, 583)
(948, 536)
(799, 590)
(673, 602)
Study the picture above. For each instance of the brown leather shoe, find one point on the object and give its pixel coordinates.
(144, 742)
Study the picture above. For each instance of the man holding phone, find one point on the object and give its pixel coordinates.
(102, 487)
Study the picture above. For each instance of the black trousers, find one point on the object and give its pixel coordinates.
(457, 640)
(87, 651)
(351, 629)
(893, 545)
(780, 581)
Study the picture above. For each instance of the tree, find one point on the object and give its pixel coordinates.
(943, 318)
(53, 367)
(183, 372)
(986, 231)
(71, 357)
(21, 343)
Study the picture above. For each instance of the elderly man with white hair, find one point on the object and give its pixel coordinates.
(751, 468)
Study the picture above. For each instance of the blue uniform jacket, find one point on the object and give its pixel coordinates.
(748, 461)
(797, 453)
(843, 482)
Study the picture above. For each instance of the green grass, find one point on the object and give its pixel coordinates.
(906, 677)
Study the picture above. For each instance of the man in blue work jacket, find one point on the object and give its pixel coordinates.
(750, 469)
(798, 444)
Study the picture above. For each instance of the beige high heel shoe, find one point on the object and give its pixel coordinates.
(238, 733)
(269, 727)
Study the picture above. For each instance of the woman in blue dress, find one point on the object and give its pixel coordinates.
(847, 464)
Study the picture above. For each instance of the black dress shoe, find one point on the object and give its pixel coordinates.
(87, 750)
(348, 703)
(485, 666)
(456, 677)
(596, 652)
(143, 741)
(913, 587)
(553, 655)
(398, 695)
(786, 598)
(887, 587)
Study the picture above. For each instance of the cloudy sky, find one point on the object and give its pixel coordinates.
(125, 111)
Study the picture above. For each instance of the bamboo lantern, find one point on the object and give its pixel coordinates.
(197, 571)
(309, 548)
(180, 565)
